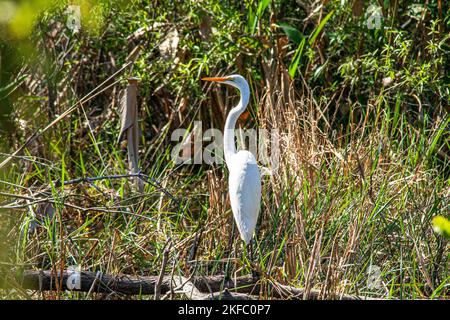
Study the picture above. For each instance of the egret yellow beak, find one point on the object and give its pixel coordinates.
(216, 79)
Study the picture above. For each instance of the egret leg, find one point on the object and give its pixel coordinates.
(255, 273)
(230, 250)
(251, 251)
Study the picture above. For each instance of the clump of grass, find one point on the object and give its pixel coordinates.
(343, 202)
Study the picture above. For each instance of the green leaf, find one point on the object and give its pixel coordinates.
(259, 12)
(438, 135)
(320, 27)
(11, 87)
(319, 70)
(441, 226)
(292, 33)
(250, 19)
(262, 7)
(296, 59)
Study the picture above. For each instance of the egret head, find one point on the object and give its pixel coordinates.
(234, 80)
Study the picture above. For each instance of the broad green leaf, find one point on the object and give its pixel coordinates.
(250, 19)
(320, 27)
(296, 59)
(292, 33)
(259, 12)
(262, 6)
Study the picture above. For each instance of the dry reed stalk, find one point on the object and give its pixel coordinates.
(129, 123)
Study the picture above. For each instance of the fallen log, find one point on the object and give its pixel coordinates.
(197, 288)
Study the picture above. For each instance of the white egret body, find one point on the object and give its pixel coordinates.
(244, 179)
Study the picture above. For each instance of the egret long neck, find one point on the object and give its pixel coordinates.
(230, 124)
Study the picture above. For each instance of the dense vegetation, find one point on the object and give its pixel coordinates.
(359, 93)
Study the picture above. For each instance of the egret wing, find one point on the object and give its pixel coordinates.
(245, 192)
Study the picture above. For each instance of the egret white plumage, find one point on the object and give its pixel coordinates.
(244, 181)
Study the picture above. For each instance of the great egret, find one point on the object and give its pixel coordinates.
(244, 182)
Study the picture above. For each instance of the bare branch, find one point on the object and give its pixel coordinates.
(198, 288)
